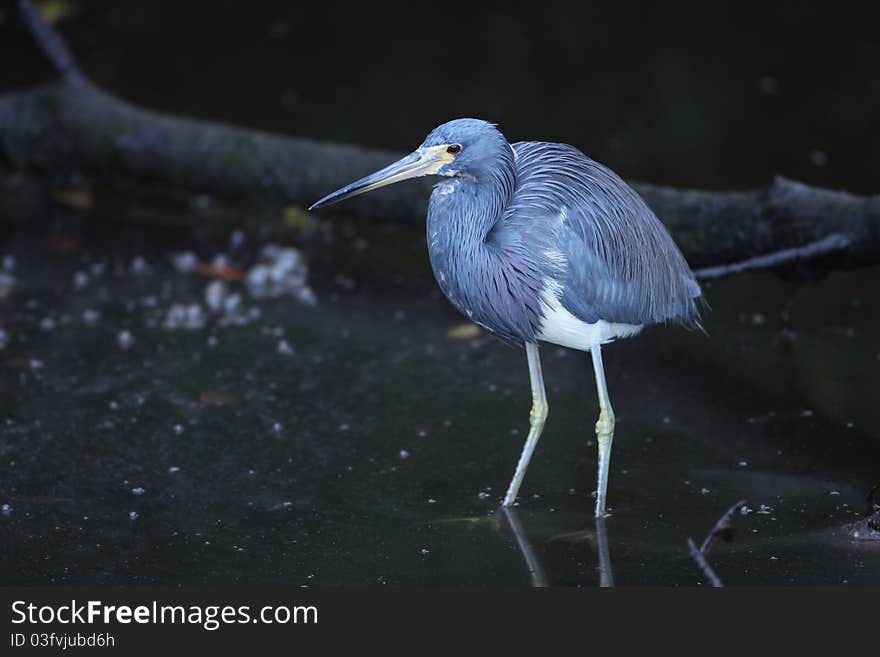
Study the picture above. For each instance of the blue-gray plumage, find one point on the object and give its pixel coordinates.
(517, 218)
(536, 242)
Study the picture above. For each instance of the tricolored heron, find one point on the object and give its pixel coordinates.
(535, 242)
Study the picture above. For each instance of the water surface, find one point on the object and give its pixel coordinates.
(376, 448)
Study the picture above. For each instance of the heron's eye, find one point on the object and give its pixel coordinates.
(453, 148)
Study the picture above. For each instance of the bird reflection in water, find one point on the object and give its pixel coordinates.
(533, 563)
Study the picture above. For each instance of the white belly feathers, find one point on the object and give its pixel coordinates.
(561, 327)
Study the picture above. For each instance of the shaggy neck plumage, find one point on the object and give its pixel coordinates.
(461, 214)
(464, 209)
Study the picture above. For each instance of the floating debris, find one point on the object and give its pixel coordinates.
(232, 304)
(220, 268)
(138, 265)
(215, 398)
(138, 490)
(236, 239)
(307, 296)
(80, 280)
(228, 305)
(132, 515)
(215, 295)
(177, 429)
(185, 262)
(5, 509)
(233, 312)
(404, 454)
(285, 349)
(173, 469)
(124, 339)
(466, 331)
(281, 271)
(189, 317)
(91, 317)
(7, 282)
(47, 324)
(258, 277)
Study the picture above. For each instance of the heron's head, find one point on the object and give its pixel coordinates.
(463, 147)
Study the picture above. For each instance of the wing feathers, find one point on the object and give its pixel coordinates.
(611, 256)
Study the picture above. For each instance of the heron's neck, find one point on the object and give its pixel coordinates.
(462, 212)
(465, 208)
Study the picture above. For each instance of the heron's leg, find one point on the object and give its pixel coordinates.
(604, 430)
(536, 421)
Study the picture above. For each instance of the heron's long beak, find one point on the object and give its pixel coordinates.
(422, 162)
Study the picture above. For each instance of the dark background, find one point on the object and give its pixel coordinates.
(376, 447)
(697, 94)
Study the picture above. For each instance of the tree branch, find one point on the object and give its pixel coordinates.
(721, 529)
(51, 43)
(830, 244)
(72, 126)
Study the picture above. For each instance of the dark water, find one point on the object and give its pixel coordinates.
(379, 450)
(376, 448)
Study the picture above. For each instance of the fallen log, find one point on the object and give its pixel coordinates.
(72, 126)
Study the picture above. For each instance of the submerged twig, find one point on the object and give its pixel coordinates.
(703, 565)
(721, 529)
